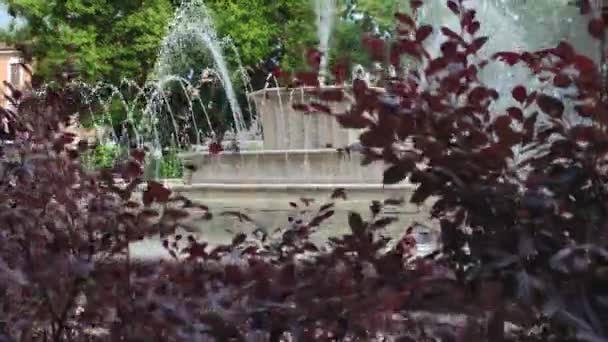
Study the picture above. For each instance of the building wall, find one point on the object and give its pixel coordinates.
(8, 57)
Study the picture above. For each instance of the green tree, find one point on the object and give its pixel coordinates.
(259, 27)
(380, 13)
(103, 39)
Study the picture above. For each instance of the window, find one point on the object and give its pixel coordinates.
(15, 74)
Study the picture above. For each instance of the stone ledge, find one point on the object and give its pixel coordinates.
(287, 186)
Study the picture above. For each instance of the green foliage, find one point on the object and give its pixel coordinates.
(380, 13)
(170, 165)
(298, 34)
(102, 39)
(250, 25)
(111, 39)
(102, 156)
(107, 155)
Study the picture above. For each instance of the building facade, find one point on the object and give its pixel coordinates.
(13, 71)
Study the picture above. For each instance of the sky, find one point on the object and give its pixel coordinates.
(4, 17)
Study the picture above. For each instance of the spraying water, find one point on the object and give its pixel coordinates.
(516, 26)
(193, 25)
(326, 12)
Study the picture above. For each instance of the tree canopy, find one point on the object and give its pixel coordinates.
(112, 39)
(103, 39)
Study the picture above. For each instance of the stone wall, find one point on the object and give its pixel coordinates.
(287, 128)
(319, 166)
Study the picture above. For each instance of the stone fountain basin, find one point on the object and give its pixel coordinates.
(296, 166)
(264, 183)
(287, 128)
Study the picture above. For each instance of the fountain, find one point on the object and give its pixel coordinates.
(301, 154)
(193, 25)
(325, 12)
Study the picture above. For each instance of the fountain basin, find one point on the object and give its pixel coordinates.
(298, 166)
(287, 128)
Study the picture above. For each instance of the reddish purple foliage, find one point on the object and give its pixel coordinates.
(519, 195)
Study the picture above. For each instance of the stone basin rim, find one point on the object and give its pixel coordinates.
(261, 152)
(289, 186)
(307, 89)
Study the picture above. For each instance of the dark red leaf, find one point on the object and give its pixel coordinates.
(359, 88)
(506, 135)
(139, 155)
(477, 96)
(318, 107)
(453, 7)
(473, 27)
(353, 121)
(408, 47)
(550, 105)
(449, 49)
(356, 223)
(215, 148)
(327, 206)
(515, 113)
(477, 44)
(502, 121)
(317, 220)
(375, 138)
(175, 214)
(431, 147)
(477, 138)
(239, 239)
(376, 47)
(584, 64)
(339, 193)
(530, 99)
(562, 81)
(240, 216)
(564, 50)
(395, 56)
(405, 19)
(156, 192)
(423, 32)
(394, 201)
(277, 72)
(132, 170)
(148, 214)
(415, 4)
(397, 173)
(331, 95)
(451, 34)
(313, 57)
(307, 201)
(467, 18)
(422, 193)
(586, 111)
(519, 93)
(197, 250)
(340, 72)
(510, 58)
(301, 107)
(597, 28)
(308, 78)
(583, 133)
(436, 65)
